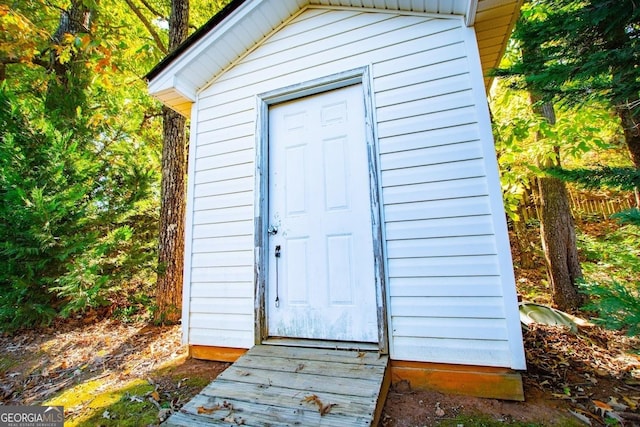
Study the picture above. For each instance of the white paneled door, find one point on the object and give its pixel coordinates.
(321, 282)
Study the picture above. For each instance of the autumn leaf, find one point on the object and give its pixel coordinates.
(602, 408)
(327, 408)
(322, 408)
(310, 399)
(203, 410)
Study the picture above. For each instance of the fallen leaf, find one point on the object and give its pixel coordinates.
(163, 414)
(613, 402)
(601, 407)
(106, 415)
(203, 410)
(439, 410)
(581, 417)
(322, 408)
(155, 395)
(633, 405)
(616, 417)
(310, 398)
(327, 408)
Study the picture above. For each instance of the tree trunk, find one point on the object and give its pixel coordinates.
(559, 243)
(557, 229)
(172, 208)
(522, 239)
(68, 90)
(626, 105)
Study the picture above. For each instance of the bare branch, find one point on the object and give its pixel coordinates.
(152, 9)
(148, 25)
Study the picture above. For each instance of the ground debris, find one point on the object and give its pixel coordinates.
(51, 360)
(593, 352)
(587, 370)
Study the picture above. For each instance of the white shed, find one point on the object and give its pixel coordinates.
(343, 189)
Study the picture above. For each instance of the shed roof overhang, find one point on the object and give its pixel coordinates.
(240, 26)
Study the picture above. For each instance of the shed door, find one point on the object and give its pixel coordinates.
(322, 285)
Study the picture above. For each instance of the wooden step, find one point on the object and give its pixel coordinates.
(292, 386)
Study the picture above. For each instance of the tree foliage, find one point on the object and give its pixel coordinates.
(621, 178)
(80, 148)
(77, 219)
(79, 174)
(586, 49)
(584, 54)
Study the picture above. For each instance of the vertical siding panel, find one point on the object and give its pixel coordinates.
(512, 315)
(437, 206)
(188, 228)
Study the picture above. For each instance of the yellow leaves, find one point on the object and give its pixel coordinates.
(633, 404)
(19, 37)
(68, 38)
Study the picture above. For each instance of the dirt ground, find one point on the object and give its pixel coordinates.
(590, 376)
(90, 363)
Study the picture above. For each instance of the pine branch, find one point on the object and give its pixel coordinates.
(629, 216)
(627, 179)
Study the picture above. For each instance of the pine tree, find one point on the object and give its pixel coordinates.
(588, 50)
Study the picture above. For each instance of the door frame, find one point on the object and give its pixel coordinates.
(361, 76)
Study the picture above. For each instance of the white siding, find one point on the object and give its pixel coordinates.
(445, 287)
(179, 81)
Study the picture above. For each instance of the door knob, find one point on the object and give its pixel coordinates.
(272, 230)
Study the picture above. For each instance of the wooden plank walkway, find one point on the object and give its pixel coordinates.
(292, 386)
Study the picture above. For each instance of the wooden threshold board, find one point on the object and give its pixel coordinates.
(292, 386)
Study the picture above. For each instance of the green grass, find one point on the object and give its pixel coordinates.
(6, 363)
(483, 420)
(128, 411)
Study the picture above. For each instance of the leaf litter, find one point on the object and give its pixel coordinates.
(592, 373)
(591, 377)
(96, 359)
(596, 372)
